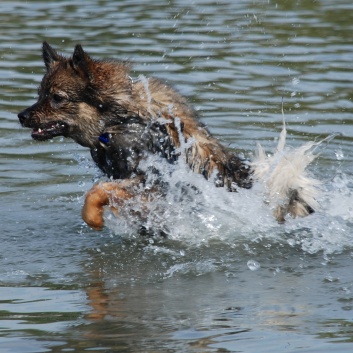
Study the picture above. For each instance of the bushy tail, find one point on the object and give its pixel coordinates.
(289, 187)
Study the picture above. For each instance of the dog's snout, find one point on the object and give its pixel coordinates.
(24, 116)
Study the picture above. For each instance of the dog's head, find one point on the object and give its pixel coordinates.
(77, 96)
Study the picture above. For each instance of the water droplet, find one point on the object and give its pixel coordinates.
(253, 265)
(295, 81)
(339, 154)
(276, 271)
(291, 242)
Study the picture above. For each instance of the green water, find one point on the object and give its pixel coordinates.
(66, 288)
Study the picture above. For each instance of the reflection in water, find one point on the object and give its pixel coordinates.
(193, 292)
(281, 298)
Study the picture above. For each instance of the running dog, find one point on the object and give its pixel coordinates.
(123, 121)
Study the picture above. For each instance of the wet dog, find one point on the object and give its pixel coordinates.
(123, 121)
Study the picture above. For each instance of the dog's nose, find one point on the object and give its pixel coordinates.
(24, 116)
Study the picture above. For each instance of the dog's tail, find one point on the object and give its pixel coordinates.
(289, 187)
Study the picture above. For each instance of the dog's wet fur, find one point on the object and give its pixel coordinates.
(122, 121)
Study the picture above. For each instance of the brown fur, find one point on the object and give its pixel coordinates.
(96, 103)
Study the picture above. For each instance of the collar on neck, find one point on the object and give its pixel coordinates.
(104, 138)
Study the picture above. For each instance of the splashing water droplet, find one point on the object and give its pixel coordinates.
(295, 81)
(253, 265)
(339, 154)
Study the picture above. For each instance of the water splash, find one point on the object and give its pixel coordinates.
(145, 82)
(196, 217)
(195, 213)
(253, 265)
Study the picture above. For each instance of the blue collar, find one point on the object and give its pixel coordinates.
(104, 138)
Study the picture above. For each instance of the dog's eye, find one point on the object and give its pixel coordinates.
(57, 98)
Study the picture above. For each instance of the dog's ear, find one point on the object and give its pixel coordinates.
(81, 62)
(50, 56)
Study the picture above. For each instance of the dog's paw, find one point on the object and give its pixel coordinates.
(93, 217)
(93, 208)
(110, 194)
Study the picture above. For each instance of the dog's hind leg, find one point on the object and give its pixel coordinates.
(101, 195)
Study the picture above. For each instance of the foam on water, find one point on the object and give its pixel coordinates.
(194, 212)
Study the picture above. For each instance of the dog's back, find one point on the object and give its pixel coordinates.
(154, 118)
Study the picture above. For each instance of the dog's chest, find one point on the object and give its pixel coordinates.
(121, 148)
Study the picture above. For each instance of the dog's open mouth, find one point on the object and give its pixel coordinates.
(48, 131)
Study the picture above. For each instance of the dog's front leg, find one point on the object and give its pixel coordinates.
(102, 195)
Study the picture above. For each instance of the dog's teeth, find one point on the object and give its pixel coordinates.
(39, 130)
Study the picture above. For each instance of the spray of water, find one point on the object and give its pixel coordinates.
(195, 212)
